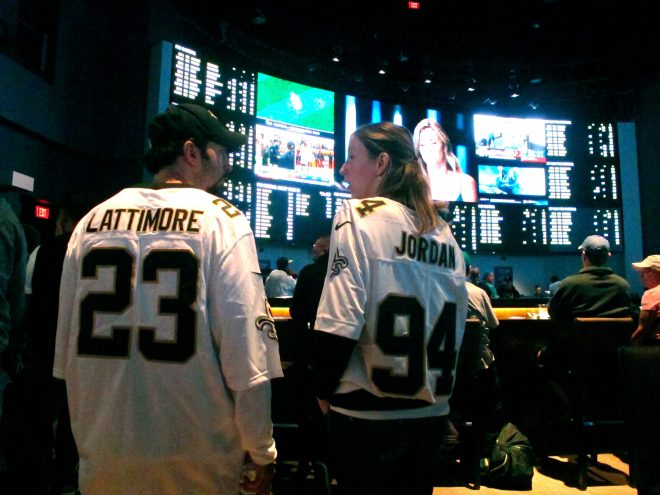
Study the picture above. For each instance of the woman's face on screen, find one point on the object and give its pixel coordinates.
(430, 147)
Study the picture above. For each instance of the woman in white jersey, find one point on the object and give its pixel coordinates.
(390, 320)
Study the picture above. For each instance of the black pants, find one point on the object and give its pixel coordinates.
(46, 454)
(385, 456)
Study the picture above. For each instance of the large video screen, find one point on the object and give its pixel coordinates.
(284, 178)
(515, 184)
(508, 138)
(511, 181)
(295, 132)
(544, 184)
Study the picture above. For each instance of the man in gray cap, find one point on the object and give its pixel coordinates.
(164, 336)
(648, 330)
(595, 290)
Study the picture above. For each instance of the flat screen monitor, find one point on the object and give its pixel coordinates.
(509, 138)
(294, 132)
(536, 184)
(284, 178)
(501, 180)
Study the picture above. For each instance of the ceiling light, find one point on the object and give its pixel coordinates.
(336, 53)
(259, 19)
(381, 71)
(427, 81)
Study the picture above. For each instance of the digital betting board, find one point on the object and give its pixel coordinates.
(542, 184)
(284, 178)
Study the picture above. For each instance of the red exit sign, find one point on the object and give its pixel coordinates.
(414, 5)
(42, 212)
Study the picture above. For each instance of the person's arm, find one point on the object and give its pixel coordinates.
(66, 314)
(245, 335)
(341, 313)
(301, 307)
(330, 357)
(252, 416)
(6, 267)
(291, 284)
(489, 314)
(13, 258)
(644, 330)
(557, 307)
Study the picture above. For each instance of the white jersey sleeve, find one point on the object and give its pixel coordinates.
(402, 297)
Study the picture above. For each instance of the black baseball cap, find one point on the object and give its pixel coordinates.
(189, 121)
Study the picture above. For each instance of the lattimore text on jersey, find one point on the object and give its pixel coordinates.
(146, 220)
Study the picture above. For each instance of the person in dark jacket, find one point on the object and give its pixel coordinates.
(45, 418)
(595, 290)
(308, 289)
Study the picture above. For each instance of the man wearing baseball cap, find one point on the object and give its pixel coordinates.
(164, 336)
(648, 330)
(595, 290)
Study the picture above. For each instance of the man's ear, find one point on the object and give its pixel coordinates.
(191, 152)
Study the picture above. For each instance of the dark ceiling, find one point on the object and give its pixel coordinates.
(550, 52)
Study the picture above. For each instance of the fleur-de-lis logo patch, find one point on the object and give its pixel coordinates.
(267, 324)
(339, 262)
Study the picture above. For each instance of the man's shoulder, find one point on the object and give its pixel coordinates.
(652, 293)
(575, 278)
(474, 289)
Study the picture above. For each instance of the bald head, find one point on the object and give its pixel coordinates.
(321, 247)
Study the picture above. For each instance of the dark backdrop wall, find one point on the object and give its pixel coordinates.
(85, 128)
(648, 151)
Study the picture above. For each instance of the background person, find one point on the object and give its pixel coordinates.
(595, 290)
(33, 239)
(506, 289)
(488, 284)
(166, 309)
(447, 179)
(309, 284)
(13, 258)
(380, 306)
(554, 285)
(648, 329)
(280, 282)
(48, 455)
(288, 159)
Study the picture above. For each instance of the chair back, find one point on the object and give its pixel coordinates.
(640, 367)
(595, 366)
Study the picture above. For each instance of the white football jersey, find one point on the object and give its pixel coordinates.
(162, 312)
(402, 297)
